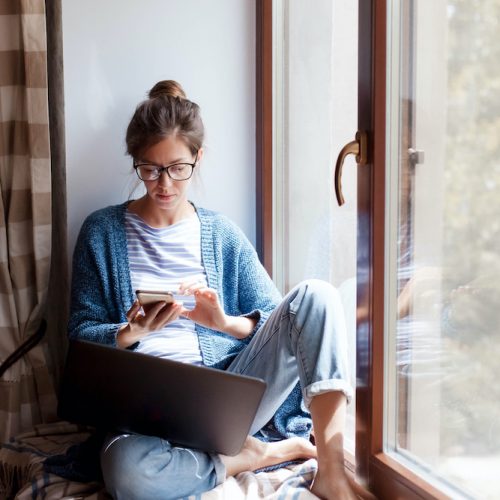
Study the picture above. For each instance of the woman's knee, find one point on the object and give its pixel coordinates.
(147, 467)
(124, 472)
(319, 293)
(318, 308)
(120, 477)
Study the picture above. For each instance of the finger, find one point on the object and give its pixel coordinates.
(185, 285)
(153, 310)
(194, 288)
(188, 287)
(167, 315)
(206, 295)
(185, 312)
(170, 310)
(132, 312)
(202, 290)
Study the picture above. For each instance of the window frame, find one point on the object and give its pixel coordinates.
(264, 132)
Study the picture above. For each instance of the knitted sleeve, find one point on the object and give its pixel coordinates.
(96, 312)
(256, 294)
(257, 291)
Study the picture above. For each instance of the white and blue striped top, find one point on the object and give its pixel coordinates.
(161, 259)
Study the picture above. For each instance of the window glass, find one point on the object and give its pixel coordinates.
(315, 94)
(443, 323)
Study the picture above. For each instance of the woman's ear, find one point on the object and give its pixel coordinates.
(199, 155)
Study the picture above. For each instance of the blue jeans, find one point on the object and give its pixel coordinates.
(303, 339)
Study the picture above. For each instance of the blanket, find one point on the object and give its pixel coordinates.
(23, 475)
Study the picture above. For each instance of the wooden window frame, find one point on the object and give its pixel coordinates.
(386, 477)
(264, 132)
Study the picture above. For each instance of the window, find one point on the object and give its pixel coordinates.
(443, 244)
(315, 111)
(421, 242)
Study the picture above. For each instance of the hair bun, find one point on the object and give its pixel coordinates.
(168, 88)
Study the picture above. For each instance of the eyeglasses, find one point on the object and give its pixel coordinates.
(176, 171)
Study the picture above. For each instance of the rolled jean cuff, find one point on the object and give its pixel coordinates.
(219, 467)
(322, 386)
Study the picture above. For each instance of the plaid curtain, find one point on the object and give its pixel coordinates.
(27, 393)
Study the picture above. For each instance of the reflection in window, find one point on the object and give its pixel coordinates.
(447, 341)
(316, 114)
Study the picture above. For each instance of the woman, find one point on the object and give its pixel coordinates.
(228, 314)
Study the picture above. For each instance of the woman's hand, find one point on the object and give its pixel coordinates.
(209, 312)
(142, 323)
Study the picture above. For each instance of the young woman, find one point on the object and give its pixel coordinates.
(227, 314)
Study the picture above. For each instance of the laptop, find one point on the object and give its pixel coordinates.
(131, 392)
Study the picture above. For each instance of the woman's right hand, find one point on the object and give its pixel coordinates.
(141, 323)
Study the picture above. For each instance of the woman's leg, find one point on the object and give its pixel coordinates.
(332, 482)
(304, 338)
(145, 467)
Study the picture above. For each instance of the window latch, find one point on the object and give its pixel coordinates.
(358, 147)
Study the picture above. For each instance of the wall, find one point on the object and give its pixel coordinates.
(114, 52)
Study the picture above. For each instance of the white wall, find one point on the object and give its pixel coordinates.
(114, 51)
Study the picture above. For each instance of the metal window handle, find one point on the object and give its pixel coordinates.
(416, 156)
(358, 147)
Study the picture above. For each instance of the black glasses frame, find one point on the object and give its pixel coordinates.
(165, 169)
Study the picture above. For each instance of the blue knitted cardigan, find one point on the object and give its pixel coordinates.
(102, 293)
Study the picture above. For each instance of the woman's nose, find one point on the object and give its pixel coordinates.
(164, 179)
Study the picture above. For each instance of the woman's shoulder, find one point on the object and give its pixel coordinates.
(110, 212)
(107, 218)
(210, 215)
(219, 223)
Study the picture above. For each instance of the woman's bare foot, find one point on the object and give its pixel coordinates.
(257, 454)
(338, 484)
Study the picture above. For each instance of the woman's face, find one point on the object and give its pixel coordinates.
(166, 193)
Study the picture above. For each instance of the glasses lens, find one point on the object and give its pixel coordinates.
(148, 172)
(181, 171)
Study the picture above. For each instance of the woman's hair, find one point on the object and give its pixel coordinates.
(166, 112)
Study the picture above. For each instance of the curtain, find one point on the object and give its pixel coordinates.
(27, 394)
(59, 283)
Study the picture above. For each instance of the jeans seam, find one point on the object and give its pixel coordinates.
(299, 353)
(273, 332)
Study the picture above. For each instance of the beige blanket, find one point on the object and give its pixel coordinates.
(22, 476)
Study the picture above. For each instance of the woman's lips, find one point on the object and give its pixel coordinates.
(165, 197)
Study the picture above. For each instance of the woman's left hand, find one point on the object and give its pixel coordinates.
(208, 310)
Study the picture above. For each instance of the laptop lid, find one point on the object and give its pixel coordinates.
(189, 405)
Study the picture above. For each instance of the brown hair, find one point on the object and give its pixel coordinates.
(166, 112)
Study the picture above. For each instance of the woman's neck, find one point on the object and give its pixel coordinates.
(156, 217)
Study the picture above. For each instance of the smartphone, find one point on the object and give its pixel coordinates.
(149, 298)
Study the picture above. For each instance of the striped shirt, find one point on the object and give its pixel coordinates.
(161, 259)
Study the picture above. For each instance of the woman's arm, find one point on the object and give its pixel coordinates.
(247, 287)
(239, 327)
(97, 308)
